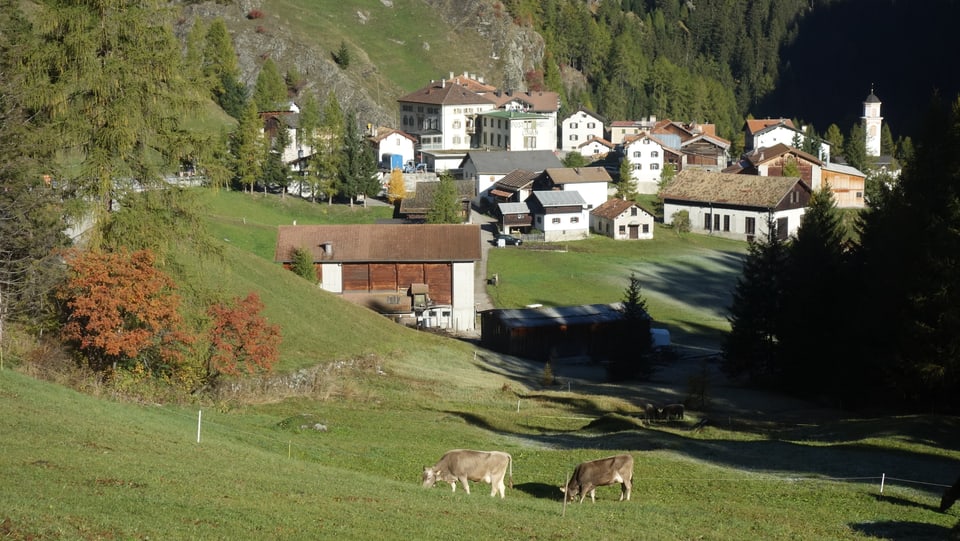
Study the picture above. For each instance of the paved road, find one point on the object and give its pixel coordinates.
(488, 226)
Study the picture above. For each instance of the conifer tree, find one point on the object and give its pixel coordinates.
(247, 147)
(626, 185)
(222, 70)
(445, 207)
(834, 136)
(328, 151)
(107, 81)
(855, 149)
(887, 146)
(750, 348)
(270, 90)
(358, 168)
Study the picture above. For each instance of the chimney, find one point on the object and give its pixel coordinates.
(451, 75)
(327, 249)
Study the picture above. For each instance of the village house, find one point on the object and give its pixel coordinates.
(647, 155)
(487, 167)
(736, 206)
(768, 132)
(620, 219)
(846, 183)
(770, 162)
(561, 215)
(516, 186)
(595, 148)
(417, 203)
(515, 130)
(515, 217)
(289, 122)
(590, 182)
(581, 126)
(621, 129)
(416, 274)
(389, 142)
(442, 115)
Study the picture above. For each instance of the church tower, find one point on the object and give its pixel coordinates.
(872, 121)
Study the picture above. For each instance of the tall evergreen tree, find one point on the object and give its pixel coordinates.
(325, 162)
(222, 70)
(834, 136)
(811, 332)
(855, 148)
(750, 348)
(359, 167)
(445, 207)
(270, 90)
(108, 84)
(910, 273)
(626, 185)
(630, 349)
(247, 148)
(887, 146)
(32, 214)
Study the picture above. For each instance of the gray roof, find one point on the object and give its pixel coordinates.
(548, 316)
(556, 198)
(845, 169)
(487, 162)
(514, 208)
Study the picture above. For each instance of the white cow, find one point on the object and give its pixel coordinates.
(601, 472)
(464, 465)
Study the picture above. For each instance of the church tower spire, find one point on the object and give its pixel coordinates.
(872, 122)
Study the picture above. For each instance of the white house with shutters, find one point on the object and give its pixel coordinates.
(578, 128)
(516, 130)
(560, 215)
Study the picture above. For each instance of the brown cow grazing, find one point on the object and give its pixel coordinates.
(598, 473)
(464, 465)
(949, 496)
(673, 411)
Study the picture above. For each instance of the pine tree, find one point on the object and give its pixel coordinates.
(222, 70)
(359, 167)
(107, 82)
(270, 90)
(855, 149)
(630, 348)
(834, 136)
(750, 348)
(626, 185)
(445, 207)
(247, 147)
(327, 156)
(811, 338)
(887, 146)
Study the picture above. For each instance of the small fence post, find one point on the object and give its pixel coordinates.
(883, 479)
(199, 418)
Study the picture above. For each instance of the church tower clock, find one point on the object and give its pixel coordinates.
(872, 121)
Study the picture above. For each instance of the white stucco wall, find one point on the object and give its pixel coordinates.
(594, 194)
(567, 229)
(583, 126)
(737, 220)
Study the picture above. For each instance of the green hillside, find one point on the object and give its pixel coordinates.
(338, 451)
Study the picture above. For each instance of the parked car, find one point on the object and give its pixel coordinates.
(507, 240)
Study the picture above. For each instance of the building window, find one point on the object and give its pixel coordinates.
(457, 110)
(782, 228)
(529, 142)
(637, 166)
(750, 226)
(655, 166)
(573, 125)
(591, 125)
(655, 154)
(574, 137)
(456, 124)
(646, 141)
(726, 222)
(574, 219)
(555, 221)
(706, 221)
(456, 139)
(633, 211)
(622, 230)
(716, 222)
(859, 195)
(646, 228)
(637, 154)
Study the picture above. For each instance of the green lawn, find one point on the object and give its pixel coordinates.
(393, 400)
(686, 280)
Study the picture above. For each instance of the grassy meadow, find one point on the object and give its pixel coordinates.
(390, 400)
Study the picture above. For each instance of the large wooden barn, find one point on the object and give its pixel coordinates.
(402, 270)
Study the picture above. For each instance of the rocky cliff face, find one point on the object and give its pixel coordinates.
(515, 49)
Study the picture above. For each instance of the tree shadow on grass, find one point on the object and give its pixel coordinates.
(904, 502)
(902, 530)
(540, 490)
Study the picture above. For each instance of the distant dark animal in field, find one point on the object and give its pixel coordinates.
(464, 465)
(598, 473)
(949, 496)
(673, 411)
(651, 412)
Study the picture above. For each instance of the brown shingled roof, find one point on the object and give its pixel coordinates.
(612, 208)
(441, 93)
(761, 155)
(517, 179)
(748, 190)
(756, 124)
(375, 242)
(565, 175)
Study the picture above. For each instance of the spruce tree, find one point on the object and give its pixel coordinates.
(750, 348)
(811, 335)
(327, 155)
(359, 167)
(222, 70)
(247, 147)
(855, 149)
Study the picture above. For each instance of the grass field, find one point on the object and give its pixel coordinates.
(393, 400)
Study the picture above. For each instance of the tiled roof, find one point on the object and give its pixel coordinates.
(766, 154)
(539, 101)
(557, 198)
(441, 93)
(612, 208)
(387, 243)
(755, 125)
(504, 161)
(517, 179)
(567, 175)
(713, 139)
(748, 190)
(598, 140)
(383, 132)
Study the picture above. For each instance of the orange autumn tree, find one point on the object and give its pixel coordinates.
(123, 312)
(241, 340)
